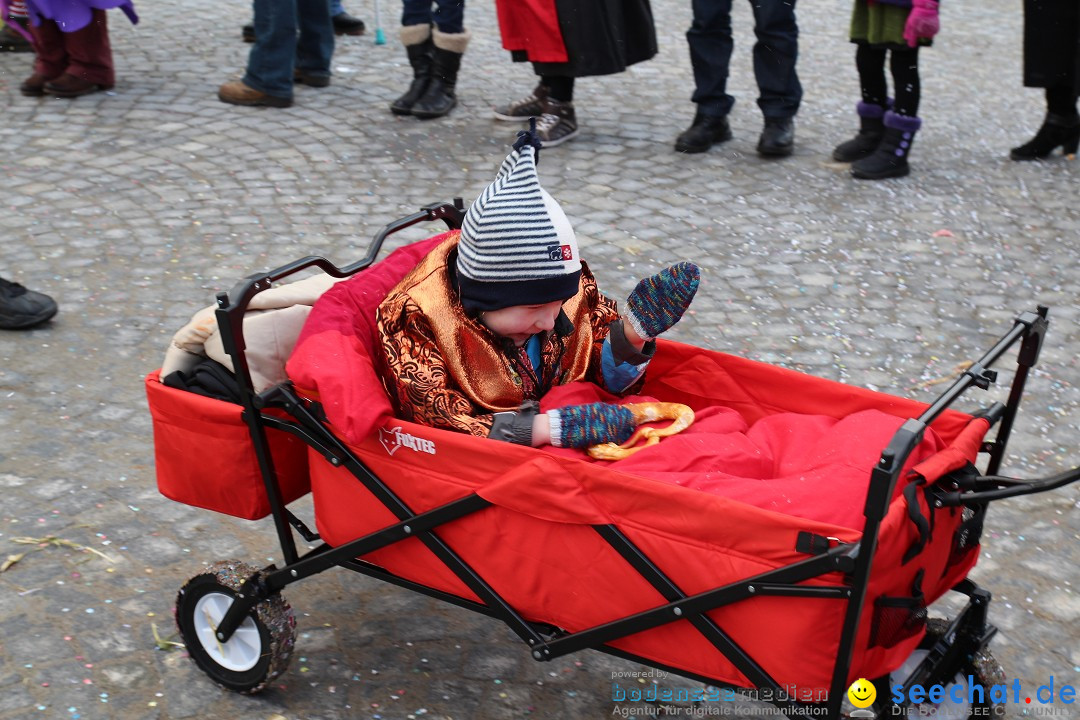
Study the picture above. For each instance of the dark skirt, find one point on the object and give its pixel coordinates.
(1052, 43)
(602, 37)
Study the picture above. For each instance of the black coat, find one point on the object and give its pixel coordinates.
(601, 37)
(1052, 43)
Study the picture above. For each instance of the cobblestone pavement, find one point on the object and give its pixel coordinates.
(134, 207)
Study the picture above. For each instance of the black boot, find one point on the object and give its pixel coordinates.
(871, 130)
(420, 49)
(889, 160)
(703, 133)
(439, 98)
(1056, 130)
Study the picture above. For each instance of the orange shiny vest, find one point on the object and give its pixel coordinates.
(474, 361)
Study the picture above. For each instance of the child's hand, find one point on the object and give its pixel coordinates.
(658, 302)
(580, 426)
(922, 21)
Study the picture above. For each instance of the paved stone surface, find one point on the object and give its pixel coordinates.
(134, 207)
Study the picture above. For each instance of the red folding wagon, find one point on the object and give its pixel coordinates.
(793, 589)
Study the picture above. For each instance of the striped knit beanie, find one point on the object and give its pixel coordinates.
(517, 246)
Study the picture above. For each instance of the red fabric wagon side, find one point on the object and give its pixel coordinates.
(536, 546)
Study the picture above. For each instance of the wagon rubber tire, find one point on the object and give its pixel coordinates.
(261, 647)
(983, 667)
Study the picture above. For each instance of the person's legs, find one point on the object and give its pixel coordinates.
(890, 159)
(450, 39)
(1061, 128)
(52, 57)
(1061, 101)
(710, 42)
(775, 55)
(904, 66)
(558, 120)
(90, 62)
(870, 63)
(315, 47)
(561, 87)
(779, 91)
(271, 62)
(449, 16)
(416, 37)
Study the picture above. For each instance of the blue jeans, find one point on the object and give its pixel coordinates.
(448, 16)
(775, 53)
(289, 34)
(336, 8)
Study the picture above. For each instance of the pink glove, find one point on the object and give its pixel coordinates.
(922, 21)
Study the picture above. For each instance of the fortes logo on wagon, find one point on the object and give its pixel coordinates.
(393, 439)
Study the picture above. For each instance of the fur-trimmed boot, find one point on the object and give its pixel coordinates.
(420, 49)
(889, 160)
(871, 130)
(439, 98)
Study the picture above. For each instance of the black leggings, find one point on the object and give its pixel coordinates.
(904, 66)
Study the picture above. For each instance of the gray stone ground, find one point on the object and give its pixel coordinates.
(134, 207)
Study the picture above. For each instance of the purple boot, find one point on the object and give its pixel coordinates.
(889, 160)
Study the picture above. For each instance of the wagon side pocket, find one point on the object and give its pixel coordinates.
(203, 454)
(898, 618)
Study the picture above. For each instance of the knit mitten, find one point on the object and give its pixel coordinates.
(922, 21)
(658, 302)
(580, 426)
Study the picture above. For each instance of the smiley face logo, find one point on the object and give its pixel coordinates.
(862, 693)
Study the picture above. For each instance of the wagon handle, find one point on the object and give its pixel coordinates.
(233, 304)
(252, 285)
(1007, 487)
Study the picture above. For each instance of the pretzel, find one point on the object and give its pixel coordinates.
(681, 415)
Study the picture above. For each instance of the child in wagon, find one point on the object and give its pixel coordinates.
(497, 315)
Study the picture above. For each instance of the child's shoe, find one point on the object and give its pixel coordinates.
(890, 158)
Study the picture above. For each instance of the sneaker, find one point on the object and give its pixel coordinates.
(21, 308)
(346, 24)
(526, 107)
(248, 33)
(557, 124)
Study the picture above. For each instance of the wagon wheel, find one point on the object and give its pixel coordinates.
(985, 670)
(260, 648)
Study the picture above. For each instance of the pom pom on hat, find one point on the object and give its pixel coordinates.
(517, 246)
